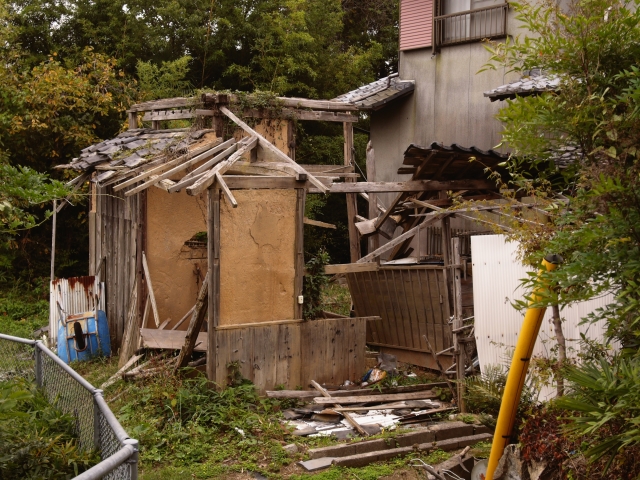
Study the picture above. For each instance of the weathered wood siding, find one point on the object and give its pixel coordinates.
(416, 22)
(292, 353)
(116, 236)
(411, 301)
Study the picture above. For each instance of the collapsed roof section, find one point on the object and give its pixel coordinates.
(194, 158)
(376, 95)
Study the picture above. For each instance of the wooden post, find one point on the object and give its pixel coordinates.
(374, 240)
(133, 120)
(299, 265)
(458, 348)
(352, 198)
(197, 319)
(92, 229)
(213, 255)
(53, 241)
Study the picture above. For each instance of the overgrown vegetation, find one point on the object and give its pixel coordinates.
(593, 48)
(36, 439)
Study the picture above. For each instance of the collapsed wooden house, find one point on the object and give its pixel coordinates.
(205, 224)
(418, 276)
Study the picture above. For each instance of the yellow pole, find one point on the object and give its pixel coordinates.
(518, 372)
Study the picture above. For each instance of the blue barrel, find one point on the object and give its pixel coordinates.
(81, 337)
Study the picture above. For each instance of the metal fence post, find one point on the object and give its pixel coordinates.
(96, 422)
(133, 459)
(38, 354)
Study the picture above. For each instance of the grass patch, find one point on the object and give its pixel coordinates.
(337, 299)
(36, 439)
(23, 310)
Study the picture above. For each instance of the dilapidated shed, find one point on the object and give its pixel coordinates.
(205, 224)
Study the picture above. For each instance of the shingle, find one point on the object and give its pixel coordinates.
(532, 83)
(376, 94)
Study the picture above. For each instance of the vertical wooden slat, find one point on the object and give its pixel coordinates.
(213, 251)
(299, 246)
(394, 328)
(457, 322)
(374, 240)
(352, 198)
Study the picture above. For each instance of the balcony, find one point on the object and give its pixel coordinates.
(470, 26)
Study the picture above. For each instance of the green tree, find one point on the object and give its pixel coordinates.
(593, 48)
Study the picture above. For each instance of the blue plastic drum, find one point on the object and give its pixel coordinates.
(81, 337)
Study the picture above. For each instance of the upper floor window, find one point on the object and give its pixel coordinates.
(462, 21)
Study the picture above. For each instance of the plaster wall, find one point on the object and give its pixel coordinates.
(172, 219)
(257, 257)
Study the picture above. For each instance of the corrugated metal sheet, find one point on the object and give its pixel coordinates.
(72, 295)
(497, 277)
(416, 20)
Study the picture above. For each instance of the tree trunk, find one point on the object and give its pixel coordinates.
(562, 349)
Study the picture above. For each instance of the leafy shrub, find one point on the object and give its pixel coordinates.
(36, 439)
(314, 282)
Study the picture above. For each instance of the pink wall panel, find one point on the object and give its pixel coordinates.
(416, 20)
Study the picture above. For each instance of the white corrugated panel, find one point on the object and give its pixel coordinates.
(497, 276)
(69, 296)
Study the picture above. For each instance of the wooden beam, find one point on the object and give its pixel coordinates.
(298, 114)
(392, 397)
(213, 259)
(374, 240)
(158, 116)
(411, 186)
(180, 322)
(195, 175)
(262, 168)
(195, 325)
(208, 178)
(152, 297)
(346, 415)
(183, 166)
(352, 198)
(264, 143)
(243, 182)
(164, 166)
(351, 268)
(301, 197)
(316, 223)
(398, 240)
(226, 191)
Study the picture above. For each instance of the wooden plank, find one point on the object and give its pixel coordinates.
(262, 168)
(316, 223)
(131, 325)
(367, 227)
(293, 113)
(152, 297)
(195, 325)
(147, 170)
(181, 321)
(392, 397)
(116, 376)
(202, 157)
(346, 415)
(213, 258)
(164, 103)
(352, 199)
(157, 116)
(411, 186)
(170, 339)
(259, 324)
(299, 259)
(401, 238)
(351, 268)
(288, 356)
(225, 189)
(208, 178)
(264, 143)
(373, 241)
(245, 182)
(457, 323)
(193, 176)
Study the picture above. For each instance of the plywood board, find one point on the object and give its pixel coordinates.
(257, 257)
(170, 339)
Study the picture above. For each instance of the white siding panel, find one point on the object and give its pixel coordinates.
(497, 276)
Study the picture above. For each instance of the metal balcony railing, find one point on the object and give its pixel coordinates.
(470, 26)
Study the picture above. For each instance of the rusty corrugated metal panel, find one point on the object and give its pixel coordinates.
(416, 20)
(497, 276)
(68, 296)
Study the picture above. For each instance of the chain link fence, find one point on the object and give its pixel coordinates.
(96, 425)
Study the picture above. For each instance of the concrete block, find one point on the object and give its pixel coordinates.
(445, 431)
(316, 464)
(478, 429)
